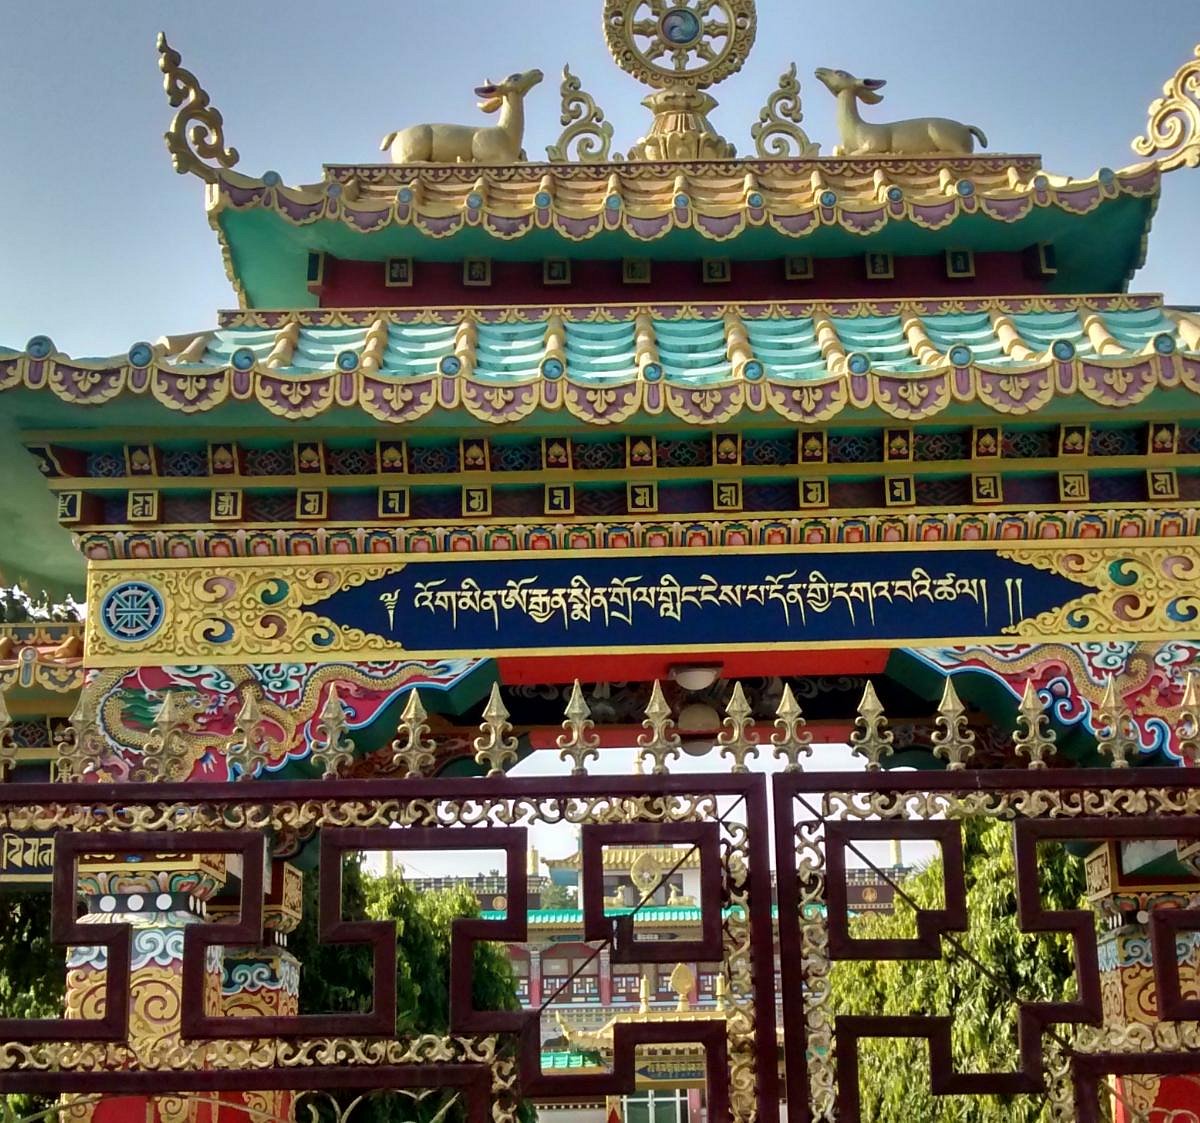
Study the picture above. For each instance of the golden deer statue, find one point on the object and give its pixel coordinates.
(467, 144)
(920, 136)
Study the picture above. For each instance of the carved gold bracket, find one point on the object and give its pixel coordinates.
(1172, 138)
(778, 133)
(197, 132)
(586, 127)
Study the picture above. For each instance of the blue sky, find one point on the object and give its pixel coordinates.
(102, 244)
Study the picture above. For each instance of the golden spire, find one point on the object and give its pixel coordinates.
(793, 740)
(245, 744)
(1172, 137)
(871, 739)
(952, 740)
(494, 747)
(335, 750)
(661, 743)
(1189, 721)
(413, 751)
(1113, 725)
(578, 743)
(738, 741)
(1033, 737)
(197, 132)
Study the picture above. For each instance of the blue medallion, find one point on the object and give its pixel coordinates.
(680, 27)
(132, 612)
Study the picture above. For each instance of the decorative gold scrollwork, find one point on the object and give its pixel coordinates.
(778, 132)
(586, 127)
(1172, 137)
(197, 132)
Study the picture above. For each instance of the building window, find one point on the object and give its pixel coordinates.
(657, 1107)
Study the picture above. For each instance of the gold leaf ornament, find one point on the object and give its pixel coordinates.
(333, 750)
(197, 132)
(660, 743)
(952, 740)
(737, 741)
(778, 133)
(791, 740)
(413, 752)
(585, 126)
(495, 747)
(1033, 737)
(1172, 137)
(872, 739)
(578, 743)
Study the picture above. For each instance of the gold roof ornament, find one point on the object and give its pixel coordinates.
(196, 138)
(502, 143)
(680, 48)
(778, 133)
(585, 127)
(1172, 137)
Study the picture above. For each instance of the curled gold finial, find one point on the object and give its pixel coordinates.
(246, 743)
(661, 743)
(197, 132)
(586, 127)
(778, 132)
(793, 740)
(494, 746)
(952, 740)
(1172, 137)
(413, 751)
(737, 741)
(334, 750)
(871, 738)
(1033, 738)
(577, 743)
(1114, 726)
(1189, 721)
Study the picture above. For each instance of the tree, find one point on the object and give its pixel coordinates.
(32, 973)
(333, 980)
(1035, 968)
(556, 896)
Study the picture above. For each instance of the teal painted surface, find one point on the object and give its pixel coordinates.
(693, 352)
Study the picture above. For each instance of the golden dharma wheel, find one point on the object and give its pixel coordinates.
(680, 43)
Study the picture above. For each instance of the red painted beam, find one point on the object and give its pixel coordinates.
(634, 666)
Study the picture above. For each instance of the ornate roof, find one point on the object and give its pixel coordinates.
(822, 207)
(697, 364)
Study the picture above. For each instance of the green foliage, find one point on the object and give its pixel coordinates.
(333, 980)
(559, 897)
(893, 1080)
(32, 975)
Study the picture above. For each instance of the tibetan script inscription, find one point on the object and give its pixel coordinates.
(743, 598)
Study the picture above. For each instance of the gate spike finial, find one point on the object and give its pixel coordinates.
(165, 755)
(78, 745)
(413, 752)
(1189, 721)
(738, 741)
(495, 747)
(953, 741)
(792, 740)
(661, 743)
(578, 743)
(871, 738)
(335, 751)
(1033, 737)
(8, 748)
(1113, 724)
(246, 739)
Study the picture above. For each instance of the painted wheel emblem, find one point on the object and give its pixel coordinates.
(132, 612)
